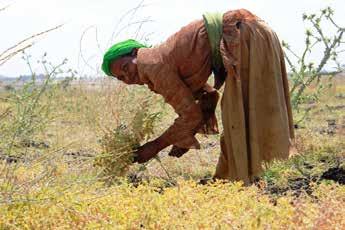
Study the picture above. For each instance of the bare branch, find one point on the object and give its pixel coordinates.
(327, 53)
(133, 11)
(97, 41)
(336, 25)
(318, 29)
(139, 28)
(133, 23)
(4, 59)
(293, 53)
(81, 54)
(130, 17)
(307, 48)
(145, 36)
(4, 8)
(315, 43)
(292, 66)
(15, 48)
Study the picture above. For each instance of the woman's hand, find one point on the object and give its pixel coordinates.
(208, 103)
(210, 127)
(177, 151)
(146, 152)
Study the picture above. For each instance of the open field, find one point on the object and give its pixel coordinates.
(50, 181)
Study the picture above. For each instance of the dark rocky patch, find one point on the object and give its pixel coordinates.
(303, 185)
(82, 153)
(340, 96)
(336, 107)
(35, 144)
(134, 179)
(336, 174)
(10, 159)
(331, 129)
(295, 186)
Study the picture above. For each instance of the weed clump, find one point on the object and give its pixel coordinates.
(119, 144)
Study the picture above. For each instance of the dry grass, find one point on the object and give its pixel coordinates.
(119, 144)
(60, 188)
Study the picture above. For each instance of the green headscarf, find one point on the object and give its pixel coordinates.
(117, 51)
(214, 27)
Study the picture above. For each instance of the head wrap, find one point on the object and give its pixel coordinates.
(214, 27)
(117, 51)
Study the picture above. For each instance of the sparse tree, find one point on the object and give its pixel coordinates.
(305, 73)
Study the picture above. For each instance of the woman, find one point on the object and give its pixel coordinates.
(242, 51)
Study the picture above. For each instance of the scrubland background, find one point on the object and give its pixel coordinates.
(52, 131)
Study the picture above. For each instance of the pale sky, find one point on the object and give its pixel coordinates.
(26, 17)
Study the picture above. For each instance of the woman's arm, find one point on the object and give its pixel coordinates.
(208, 101)
(207, 98)
(190, 118)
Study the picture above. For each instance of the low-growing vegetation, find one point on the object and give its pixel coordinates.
(61, 186)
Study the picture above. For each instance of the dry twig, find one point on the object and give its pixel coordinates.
(22, 45)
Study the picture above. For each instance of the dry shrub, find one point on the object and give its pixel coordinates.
(119, 144)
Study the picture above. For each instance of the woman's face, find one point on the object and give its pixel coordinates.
(125, 69)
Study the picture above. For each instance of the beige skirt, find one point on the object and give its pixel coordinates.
(256, 110)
